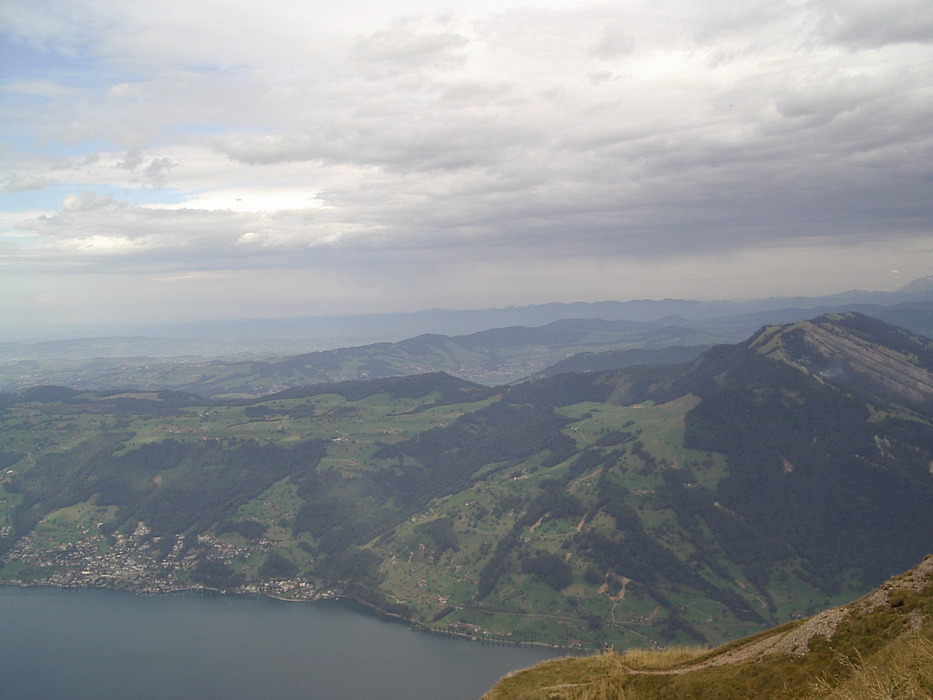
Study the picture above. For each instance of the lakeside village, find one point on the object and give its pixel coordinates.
(130, 563)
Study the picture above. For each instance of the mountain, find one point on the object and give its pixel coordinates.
(692, 502)
(747, 481)
(619, 359)
(918, 286)
(915, 316)
(880, 646)
(490, 346)
(494, 356)
(867, 357)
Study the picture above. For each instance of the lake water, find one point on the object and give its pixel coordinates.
(95, 644)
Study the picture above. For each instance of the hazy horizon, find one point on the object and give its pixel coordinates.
(394, 326)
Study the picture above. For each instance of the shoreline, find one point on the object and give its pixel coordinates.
(326, 595)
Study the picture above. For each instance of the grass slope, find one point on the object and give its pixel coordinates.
(880, 646)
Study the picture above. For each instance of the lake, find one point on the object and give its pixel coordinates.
(70, 645)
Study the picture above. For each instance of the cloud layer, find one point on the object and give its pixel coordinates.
(355, 157)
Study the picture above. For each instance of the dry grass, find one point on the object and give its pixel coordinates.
(653, 659)
(601, 677)
(901, 671)
(877, 648)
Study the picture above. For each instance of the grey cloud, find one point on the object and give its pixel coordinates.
(131, 161)
(403, 48)
(867, 23)
(822, 96)
(614, 43)
(606, 139)
(437, 145)
(13, 183)
(814, 155)
(668, 195)
(156, 172)
(93, 230)
(714, 19)
(89, 159)
(440, 136)
(601, 76)
(268, 148)
(475, 95)
(88, 201)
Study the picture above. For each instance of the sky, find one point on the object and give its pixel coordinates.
(207, 159)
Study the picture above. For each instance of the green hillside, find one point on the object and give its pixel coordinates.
(652, 505)
(880, 646)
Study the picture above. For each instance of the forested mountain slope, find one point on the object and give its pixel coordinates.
(693, 502)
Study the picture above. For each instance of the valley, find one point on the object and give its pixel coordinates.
(649, 505)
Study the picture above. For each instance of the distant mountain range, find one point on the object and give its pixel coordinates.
(329, 332)
(699, 501)
(575, 337)
(496, 356)
(288, 336)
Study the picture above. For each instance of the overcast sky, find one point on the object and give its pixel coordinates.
(205, 158)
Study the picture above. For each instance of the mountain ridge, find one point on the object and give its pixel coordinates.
(491, 356)
(829, 351)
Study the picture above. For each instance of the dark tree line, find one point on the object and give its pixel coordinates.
(811, 474)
